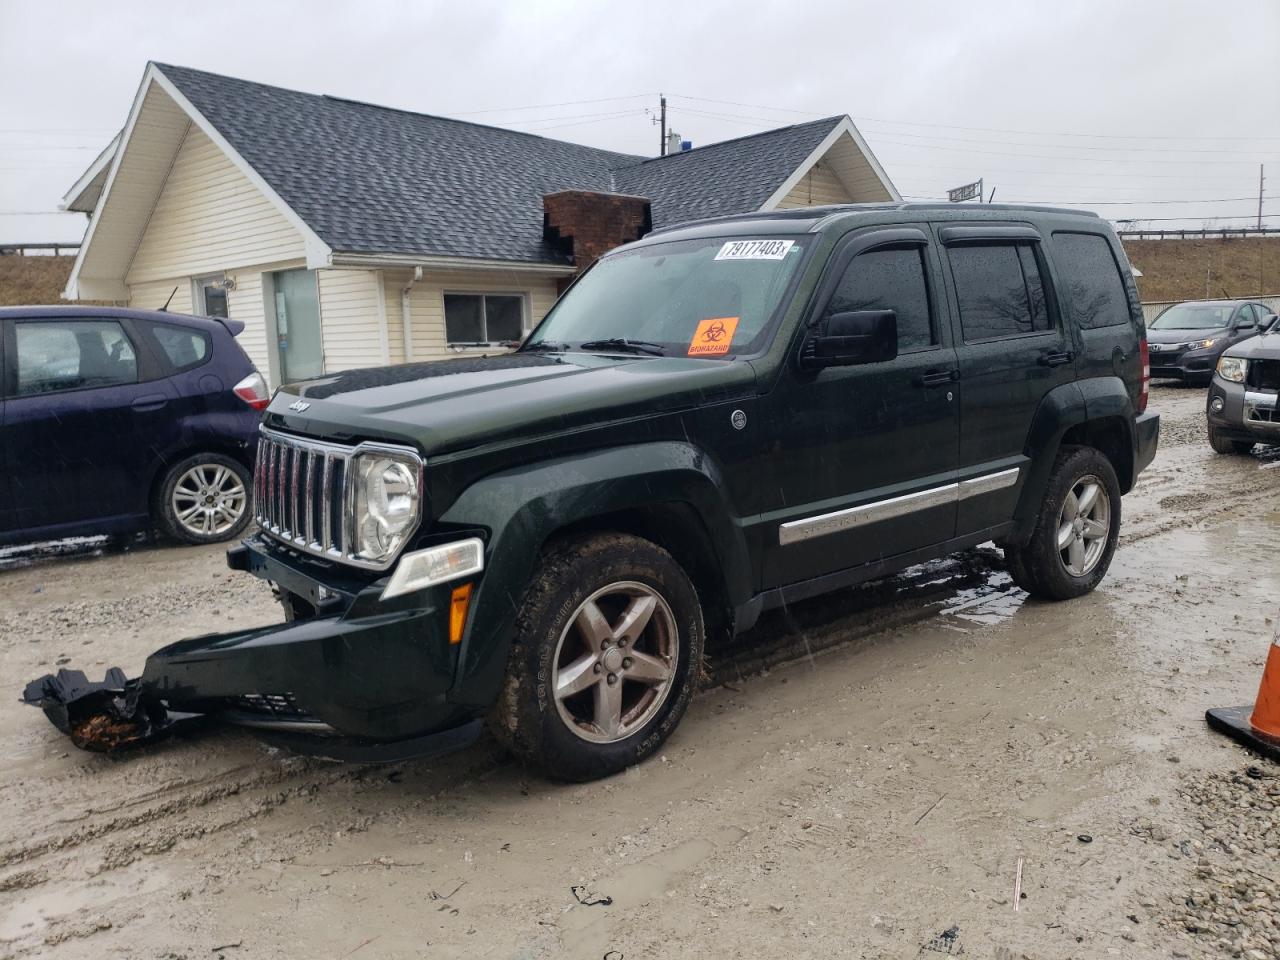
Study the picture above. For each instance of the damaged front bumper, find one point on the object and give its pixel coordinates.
(358, 678)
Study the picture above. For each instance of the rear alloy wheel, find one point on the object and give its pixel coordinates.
(204, 499)
(1076, 530)
(605, 658)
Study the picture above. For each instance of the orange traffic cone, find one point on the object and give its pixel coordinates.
(1258, 730)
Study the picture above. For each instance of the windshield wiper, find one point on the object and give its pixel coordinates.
(624, 345)
(548, 346)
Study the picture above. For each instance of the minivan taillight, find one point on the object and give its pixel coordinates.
(1145, 394)
(253, 391)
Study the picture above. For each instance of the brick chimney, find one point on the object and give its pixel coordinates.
(585, 225)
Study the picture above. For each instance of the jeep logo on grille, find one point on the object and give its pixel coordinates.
(298, 406)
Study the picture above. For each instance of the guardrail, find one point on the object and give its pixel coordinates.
(24, 249)
(1202, 234)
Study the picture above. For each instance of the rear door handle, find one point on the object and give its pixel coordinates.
(938, 378)
(152, 401)
(1056, 358)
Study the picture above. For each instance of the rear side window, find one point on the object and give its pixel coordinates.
(183, 347)
(1091, 283)
(889, 279)
(1000, 290)
(54, 356)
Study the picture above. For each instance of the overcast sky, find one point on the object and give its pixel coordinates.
(1092, 103)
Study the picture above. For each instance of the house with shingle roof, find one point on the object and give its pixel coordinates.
(345, 234)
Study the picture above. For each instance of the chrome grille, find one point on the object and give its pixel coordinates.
(300, 493)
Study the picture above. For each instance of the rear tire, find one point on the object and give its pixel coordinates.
(1222, 445)
(1076, 529)
(204, 499)
(605, 657)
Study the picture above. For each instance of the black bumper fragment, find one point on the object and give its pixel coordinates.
(361, 679)
(104, 716)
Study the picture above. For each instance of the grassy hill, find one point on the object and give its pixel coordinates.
(28, 280)
(1202, 269)
(1171, 270)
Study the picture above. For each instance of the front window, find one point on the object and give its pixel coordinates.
(1194, 316)
(707, 298)
(54, 356)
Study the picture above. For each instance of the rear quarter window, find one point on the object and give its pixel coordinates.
(1089, 276)
(182, 347)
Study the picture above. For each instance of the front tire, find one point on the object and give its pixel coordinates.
(1224, 445)
(605, 658)
(1076, 530)
(204, 499)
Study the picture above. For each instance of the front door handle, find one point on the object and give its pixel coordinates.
(152, 401)
(938, 378)
(1056, 358)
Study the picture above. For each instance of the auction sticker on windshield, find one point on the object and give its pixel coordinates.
(755, 250)
(713, 337)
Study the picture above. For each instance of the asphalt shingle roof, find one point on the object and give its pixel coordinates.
(370, 179)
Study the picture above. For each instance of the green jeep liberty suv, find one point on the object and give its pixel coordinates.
(718, 419)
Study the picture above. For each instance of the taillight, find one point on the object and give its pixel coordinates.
(253, 391)
(1143, 396)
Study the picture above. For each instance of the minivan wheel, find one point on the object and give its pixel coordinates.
(204, 499)
(1221, 444)
(1076, 530)
(604, 660)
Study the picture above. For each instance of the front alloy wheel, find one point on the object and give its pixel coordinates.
(614, 662)
(604, 659)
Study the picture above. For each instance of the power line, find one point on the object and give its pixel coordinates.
(1243, 216)
(600, 118)
(1014, 143)
(547, 106)
(947, 126)
(1050, 156)
(1116, 203)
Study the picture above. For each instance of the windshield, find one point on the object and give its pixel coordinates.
(690, 298)
(1195, 316)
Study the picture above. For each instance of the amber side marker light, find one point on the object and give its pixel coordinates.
(458, 604)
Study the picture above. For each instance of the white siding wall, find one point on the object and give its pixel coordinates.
(152, 296)
(350, 319)
(817, 187)
(245, 303)
(427, 304)
(209, 218)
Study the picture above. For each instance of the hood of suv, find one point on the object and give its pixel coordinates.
(446, 405)
(1264, 347)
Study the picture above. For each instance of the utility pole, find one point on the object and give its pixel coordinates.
(1261, 180)
(662, 113)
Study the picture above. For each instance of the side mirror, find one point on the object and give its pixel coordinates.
(853, 337)
(1268, 323)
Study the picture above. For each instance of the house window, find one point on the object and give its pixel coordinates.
(483, 318)
(210, 296)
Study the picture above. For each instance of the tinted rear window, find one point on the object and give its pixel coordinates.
(183, 347)
(999, 289)
(1090, 277)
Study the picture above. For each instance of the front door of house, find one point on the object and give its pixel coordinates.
(298, 342)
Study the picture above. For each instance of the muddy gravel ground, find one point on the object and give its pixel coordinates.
(864, 777)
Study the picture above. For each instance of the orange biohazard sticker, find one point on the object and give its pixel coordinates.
(713, 337)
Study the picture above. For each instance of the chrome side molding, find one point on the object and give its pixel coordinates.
(795, 531)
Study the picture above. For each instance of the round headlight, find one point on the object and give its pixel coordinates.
(1232, 368)
(387, 501)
